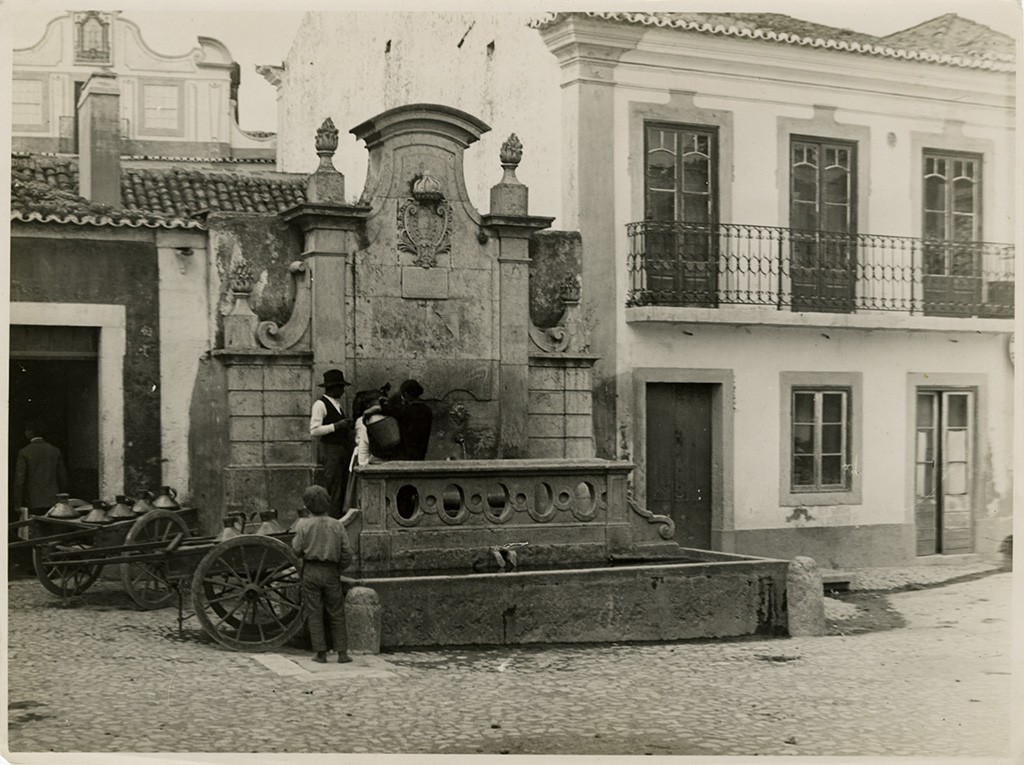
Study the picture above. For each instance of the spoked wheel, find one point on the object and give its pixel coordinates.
(64, 579)
(246, 593)
(147, 583)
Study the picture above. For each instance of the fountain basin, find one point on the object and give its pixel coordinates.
(707, 595)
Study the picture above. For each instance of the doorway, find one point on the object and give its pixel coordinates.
(54, 378)
(943, 481)
(679, 458)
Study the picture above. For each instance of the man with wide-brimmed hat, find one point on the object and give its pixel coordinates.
(329, 424)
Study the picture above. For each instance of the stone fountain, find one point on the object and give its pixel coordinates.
(511, 531)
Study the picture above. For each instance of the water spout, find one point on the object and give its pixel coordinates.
(506, 556)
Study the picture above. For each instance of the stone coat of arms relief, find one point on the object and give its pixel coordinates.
(425, 222)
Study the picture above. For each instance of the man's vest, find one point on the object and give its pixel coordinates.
(341, 437)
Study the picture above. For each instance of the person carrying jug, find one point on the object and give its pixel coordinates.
(328, 423)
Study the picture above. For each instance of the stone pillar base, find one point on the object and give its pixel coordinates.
(363, 620)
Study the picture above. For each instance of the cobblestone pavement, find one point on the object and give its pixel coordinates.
(103, 677)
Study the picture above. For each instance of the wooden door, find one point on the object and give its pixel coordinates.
(679, 458)
(943, 472)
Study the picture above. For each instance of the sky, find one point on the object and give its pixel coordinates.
(261, 33)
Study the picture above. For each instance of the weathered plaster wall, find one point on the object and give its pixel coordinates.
(208, 442)
(120, 270)
(184, 340)
(268, 246)
(554, 256)
(488, 64)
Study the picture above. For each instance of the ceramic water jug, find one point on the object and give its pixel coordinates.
(269, 524)
(122, 509)
(229, 531)
(98, 514)
(62, 508)
(144, 503)
(167, 499)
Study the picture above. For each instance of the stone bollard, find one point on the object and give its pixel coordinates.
(363, 620)
(805, 599)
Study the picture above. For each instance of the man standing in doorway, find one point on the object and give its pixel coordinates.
(329, 423)
(39, 473)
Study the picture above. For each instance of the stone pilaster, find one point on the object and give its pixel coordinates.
(332, 231)
(510, 221)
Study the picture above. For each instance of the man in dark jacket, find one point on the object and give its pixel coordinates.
(39, 473)
(414, 421)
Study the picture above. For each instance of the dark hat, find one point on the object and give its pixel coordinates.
(333, 377)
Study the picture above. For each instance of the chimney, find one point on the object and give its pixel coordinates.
(99, 140)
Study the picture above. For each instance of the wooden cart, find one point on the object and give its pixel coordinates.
(245, 590)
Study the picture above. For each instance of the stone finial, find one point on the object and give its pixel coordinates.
(326, 185)
(511, 152)
(509, 196)
(327, 139)
(242, 278)
(240, 322)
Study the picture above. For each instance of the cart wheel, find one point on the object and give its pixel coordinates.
(246, 593)
(61, 578)
(148, 584)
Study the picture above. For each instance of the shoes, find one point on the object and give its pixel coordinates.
(344, 658)
(321, 657)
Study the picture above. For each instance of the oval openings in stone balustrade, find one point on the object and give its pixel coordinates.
(498, 508)
(407, 501)
(543, 503)
(453, 505)
(584, 504)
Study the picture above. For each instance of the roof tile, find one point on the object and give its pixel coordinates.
(43, 187)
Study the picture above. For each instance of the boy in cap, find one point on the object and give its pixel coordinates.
(323, 545)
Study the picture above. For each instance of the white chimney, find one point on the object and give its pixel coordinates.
(99, 140)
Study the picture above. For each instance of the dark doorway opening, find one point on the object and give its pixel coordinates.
(54, 379)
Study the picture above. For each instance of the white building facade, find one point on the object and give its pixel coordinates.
(171, 106)
(795, 253)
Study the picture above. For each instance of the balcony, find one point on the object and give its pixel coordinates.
(701, 265)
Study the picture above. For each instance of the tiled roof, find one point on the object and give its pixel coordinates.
(46, 189)
(978, 47)
(954, 36)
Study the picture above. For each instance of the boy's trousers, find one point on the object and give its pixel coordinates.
(321, 588)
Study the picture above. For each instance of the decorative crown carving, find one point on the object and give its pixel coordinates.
(426, 189)
(511, 152)
(327, 138)
(242, 277)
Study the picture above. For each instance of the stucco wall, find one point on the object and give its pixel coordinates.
(119, 270)
(352, 66)
(759, 357)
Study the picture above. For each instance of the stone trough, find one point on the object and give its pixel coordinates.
(495, 552)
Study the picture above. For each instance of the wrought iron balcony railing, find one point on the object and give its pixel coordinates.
(708, 265)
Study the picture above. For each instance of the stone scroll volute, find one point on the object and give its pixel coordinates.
(293, 334)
